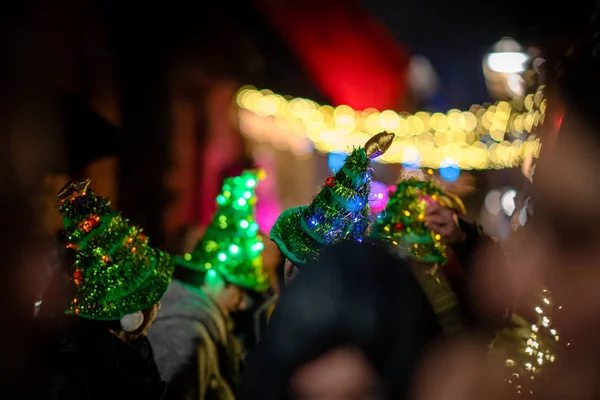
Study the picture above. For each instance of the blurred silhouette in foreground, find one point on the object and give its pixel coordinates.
(351, 325)
(558, 248)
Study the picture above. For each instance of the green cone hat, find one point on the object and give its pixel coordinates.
(340, 211)
(402, 221)
(116, 272)
(232, 245)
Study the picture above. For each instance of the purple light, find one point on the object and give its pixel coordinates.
(378, 197)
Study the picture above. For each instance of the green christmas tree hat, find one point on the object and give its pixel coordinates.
(231, 245)
(340, 210)
(116, 272)
(402, 222)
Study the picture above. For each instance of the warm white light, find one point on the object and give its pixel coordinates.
(424, 139)
(492, 202)
(508, 202)
(515, 84)
(505, 45)
(507, 62)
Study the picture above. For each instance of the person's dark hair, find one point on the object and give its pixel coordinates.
(356, 295)
(191, 277)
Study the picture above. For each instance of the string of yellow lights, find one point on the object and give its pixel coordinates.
(492, 136)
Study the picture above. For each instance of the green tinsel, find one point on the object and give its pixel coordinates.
(232, 245)
(116, 272)
(402, 221)
(340, 211)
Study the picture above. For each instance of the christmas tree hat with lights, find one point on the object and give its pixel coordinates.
(116, 273)
(340, 211)
(402, 221)
(232, 246)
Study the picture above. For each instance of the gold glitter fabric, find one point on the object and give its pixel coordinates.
(340, 211)
(232, 245)
(115, 272)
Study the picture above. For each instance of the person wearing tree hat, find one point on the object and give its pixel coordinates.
(339, 212)
(403, 225)
(196, 350)
(99, 349)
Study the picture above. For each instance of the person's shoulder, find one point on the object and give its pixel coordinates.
(174, 331)
(176, 342)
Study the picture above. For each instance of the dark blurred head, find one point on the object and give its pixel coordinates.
(559, 247)
(565, 177)
(356, 319)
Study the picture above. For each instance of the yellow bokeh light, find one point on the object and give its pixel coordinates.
(389, 120)
(475, 139)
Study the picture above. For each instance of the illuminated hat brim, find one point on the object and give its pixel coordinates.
(258, 283)
(293, 241)
(143, 297)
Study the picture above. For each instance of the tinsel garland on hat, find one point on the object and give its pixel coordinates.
(115, 272)
(402, 223)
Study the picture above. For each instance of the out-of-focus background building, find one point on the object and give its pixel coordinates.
(149, 100)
